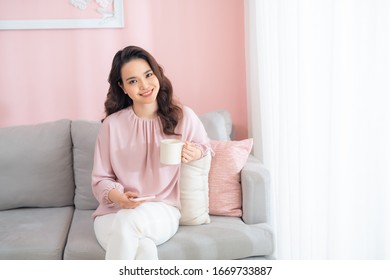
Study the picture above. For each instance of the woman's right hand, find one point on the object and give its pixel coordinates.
(124, 200)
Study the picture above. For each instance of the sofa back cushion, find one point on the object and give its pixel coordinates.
(36, 166)
(84, 134)
(218, 125)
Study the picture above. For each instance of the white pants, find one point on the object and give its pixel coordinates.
(135, 233)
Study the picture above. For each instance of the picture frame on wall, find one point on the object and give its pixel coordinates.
(61, 14)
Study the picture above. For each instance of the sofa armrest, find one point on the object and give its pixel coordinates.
(255, 183)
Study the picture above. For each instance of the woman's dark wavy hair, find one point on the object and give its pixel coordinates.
(168, 111)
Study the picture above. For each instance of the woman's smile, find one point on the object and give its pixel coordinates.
(147, 93)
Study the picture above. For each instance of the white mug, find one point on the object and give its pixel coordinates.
(170, 151)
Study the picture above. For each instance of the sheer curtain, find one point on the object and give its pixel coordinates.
(319, 105)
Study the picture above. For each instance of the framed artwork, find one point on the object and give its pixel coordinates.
(60, 14)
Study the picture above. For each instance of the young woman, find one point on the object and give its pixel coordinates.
(140, 112)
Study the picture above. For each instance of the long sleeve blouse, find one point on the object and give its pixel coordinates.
(127, 157)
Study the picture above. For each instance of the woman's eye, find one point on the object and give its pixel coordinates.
(132, 82)
(149, 74)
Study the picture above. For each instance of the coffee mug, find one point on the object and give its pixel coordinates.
(170, 151)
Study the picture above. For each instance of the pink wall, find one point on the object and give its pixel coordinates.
(51, 74)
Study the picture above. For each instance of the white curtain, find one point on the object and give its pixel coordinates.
(319, 110)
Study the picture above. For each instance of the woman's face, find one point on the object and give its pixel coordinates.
(139, 82)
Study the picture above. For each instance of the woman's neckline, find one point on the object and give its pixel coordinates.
(154, 117)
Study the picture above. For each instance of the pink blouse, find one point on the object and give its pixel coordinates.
(127, 157)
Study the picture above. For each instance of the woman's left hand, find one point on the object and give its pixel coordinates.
(190, 152)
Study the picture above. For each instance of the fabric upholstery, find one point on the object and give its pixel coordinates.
(36, 166)
(34, 233)
(82, 243)
(224, 178)
(255, 182)
(84, 136)
(217, 125)
(194, 192)
(223, 238)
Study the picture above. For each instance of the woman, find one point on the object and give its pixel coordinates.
(140, 112)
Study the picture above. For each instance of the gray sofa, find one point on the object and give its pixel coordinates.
(46, 200)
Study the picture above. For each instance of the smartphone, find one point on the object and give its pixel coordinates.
(142, 198)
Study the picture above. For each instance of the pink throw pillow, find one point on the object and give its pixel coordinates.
(225, 197)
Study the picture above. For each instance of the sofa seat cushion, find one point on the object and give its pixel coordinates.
(34, 233)
(223, 238)
(82, 243)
